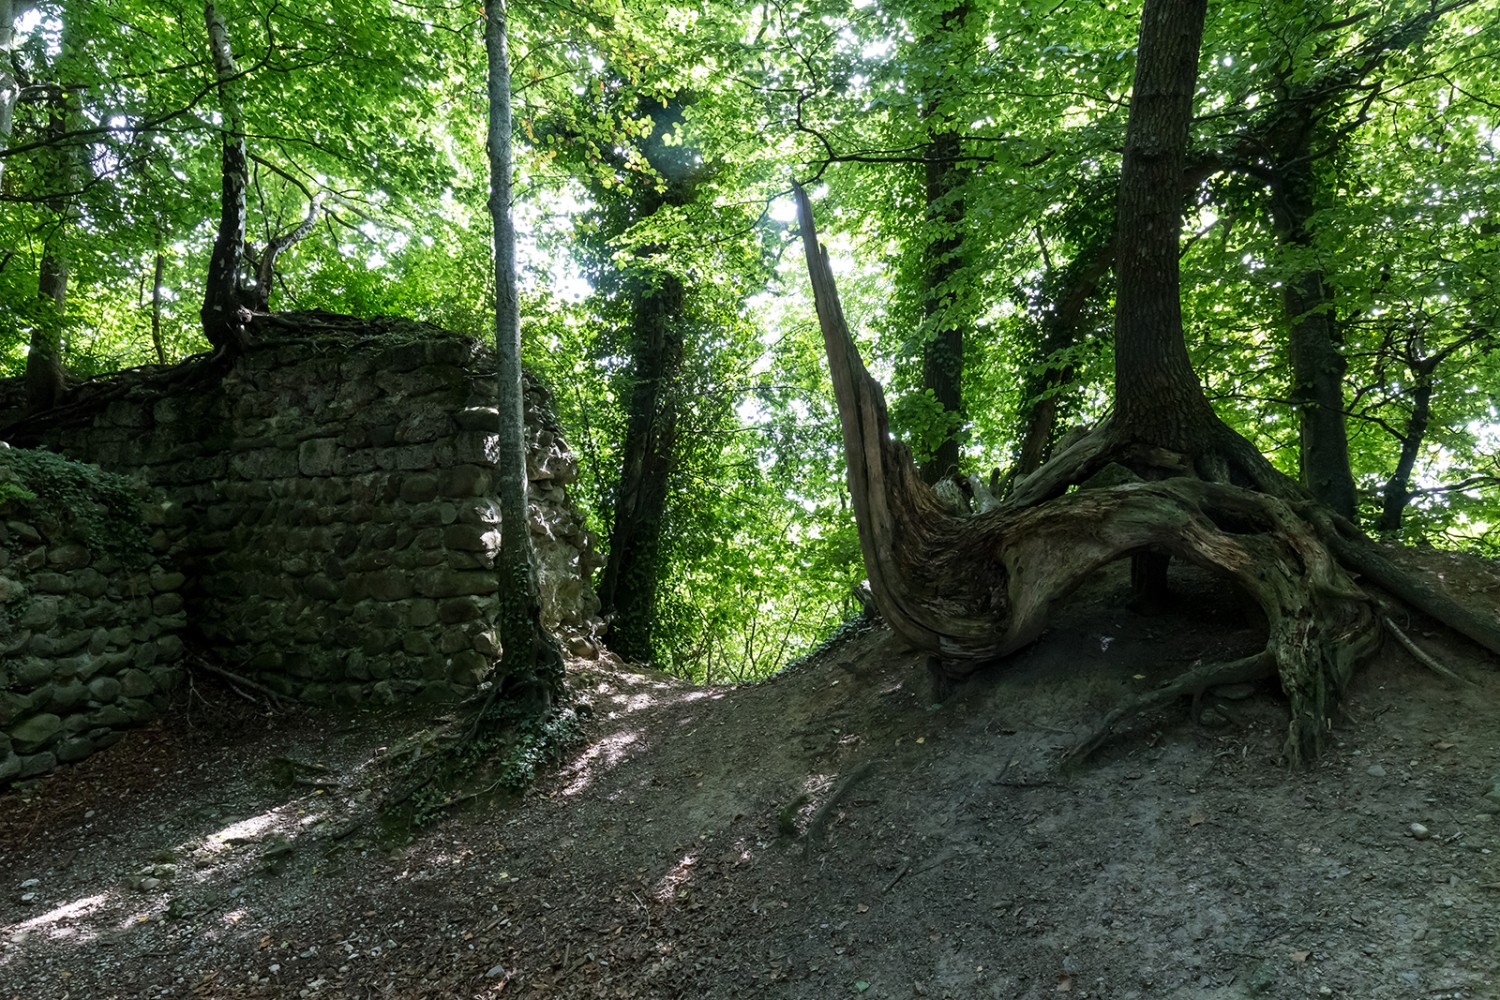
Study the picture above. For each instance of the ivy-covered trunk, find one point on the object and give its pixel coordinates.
(945, 313)
(628, 585)
(532, 664)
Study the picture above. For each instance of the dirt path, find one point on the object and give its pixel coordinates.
(830, 833)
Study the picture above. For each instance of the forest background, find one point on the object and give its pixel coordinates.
(1339, 254)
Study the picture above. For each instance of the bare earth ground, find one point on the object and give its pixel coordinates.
(831, 833)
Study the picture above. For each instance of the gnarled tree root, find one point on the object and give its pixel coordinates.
(973, 589)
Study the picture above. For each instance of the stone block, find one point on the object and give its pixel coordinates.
(38, 763)
(108, 717)
(74, 748)
(316, 456)
(165, 678)
(162, 580)
(166, 604)
(138, 709)
(453, 641)
(457, 610)
(10, 768)
(39, 613)
(68, 556)
(35, 733)
(421, 612)
(66, 697)
(471, 538)
(419, 487)
(104, 689)
(136, 683)
(417, 644)
(51, 583)
(440, 582)
(28, 672)
(388, 585)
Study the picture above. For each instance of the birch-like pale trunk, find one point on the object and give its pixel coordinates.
(532, 665)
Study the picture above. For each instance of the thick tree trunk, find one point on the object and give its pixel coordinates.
(225, 316)
(532, 664)
(628, 586)
(1158, 398)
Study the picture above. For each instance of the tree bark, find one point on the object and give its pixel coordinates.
(943, 350)
(225, 315)
(532, 663)
(1158, 397)
(1080, 281)
(945, 317)
(157, 276)
(46, 378)
(628, 585)
(1317, 364)
(10, 89)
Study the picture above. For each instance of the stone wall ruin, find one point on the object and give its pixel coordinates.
(337, 490)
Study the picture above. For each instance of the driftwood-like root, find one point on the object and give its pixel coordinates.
(1193, 684)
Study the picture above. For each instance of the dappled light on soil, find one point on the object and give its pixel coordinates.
(605, 753)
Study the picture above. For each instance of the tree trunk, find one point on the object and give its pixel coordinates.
(1397, 492)
(157, 277)
(943, 349)
(9, 86)
(1317, 363)
(532, 663)
(945, 315)
(46, 379)
(1158, 397)
(1081, 280)
(628, 586)
(225, 316)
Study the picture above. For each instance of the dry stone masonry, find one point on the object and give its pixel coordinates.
(337, 485)
(91, 613)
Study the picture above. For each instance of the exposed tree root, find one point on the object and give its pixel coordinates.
(1422, 656)
(1191, 684)
(972, 589)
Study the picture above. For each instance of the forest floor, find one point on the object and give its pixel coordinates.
(833, 832)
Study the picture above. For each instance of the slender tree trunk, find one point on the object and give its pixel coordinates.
(628, 586)
(1317, 363)
(224, 315)
(9, 88)
(46, 379)
(1081, 280)
(1158, 397)
(943, 350)
(944, 315)
(532, 666)
(1397, 493)
(157, 277)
